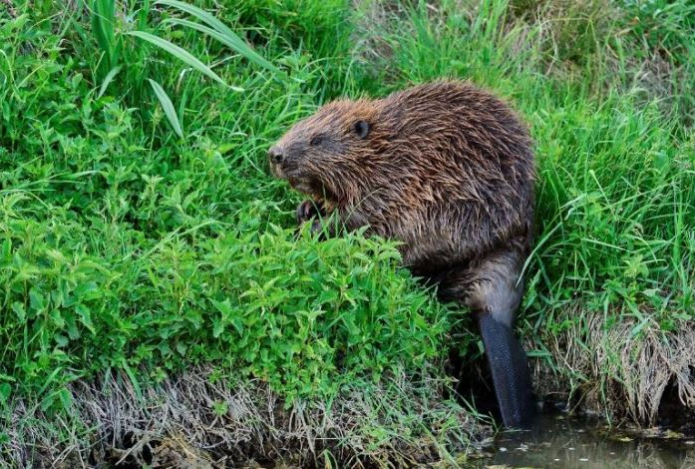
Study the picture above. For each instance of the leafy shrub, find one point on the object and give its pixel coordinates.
(306, 317)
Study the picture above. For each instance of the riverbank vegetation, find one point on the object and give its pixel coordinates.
(157, 302)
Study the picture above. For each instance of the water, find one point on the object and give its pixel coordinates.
(561, 442)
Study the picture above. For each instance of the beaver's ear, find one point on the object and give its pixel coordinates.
(362, 129)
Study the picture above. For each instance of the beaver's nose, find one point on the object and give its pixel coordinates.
(275, 154)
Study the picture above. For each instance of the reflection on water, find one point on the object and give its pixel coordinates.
(561, 442)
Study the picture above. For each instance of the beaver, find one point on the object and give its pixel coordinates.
(448, 170)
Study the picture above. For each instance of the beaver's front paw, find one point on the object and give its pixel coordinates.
(307, 210)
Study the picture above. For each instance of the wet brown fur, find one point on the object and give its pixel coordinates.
(446, 168)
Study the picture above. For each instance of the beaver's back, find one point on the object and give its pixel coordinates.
(464, 174)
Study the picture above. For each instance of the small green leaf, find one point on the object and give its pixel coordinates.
(238, 325)
(36, 300)
(218, 329)
(223, 307)
(18, 308)
(220, 408)
(47, 402)
(85, 317)
(65, 398)
(181, 349)
(7, 251)
(5, 391)
(107, 80)
(168, 107)
(61, 340)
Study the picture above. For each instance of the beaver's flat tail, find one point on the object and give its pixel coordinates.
(510, 372)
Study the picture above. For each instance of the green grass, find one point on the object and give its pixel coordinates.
(141, 232)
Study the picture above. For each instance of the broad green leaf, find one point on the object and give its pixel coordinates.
(224, 34)
(179, 53)
(168, 107)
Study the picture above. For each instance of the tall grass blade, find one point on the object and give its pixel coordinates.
(179, 53)
(168, 107)
(204, 29)
(107, 80)
(224, 34)
(133, 381)
(103, 28)
(103, 16)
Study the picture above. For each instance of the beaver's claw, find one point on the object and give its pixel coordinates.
(306, 211)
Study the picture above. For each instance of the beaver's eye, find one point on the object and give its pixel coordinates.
(316, 140)
(361, 129)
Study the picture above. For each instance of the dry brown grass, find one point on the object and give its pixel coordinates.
(616, 372)
(196, 421)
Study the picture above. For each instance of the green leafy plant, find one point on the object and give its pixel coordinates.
(117, 54)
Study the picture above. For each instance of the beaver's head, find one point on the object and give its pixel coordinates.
(329, 155)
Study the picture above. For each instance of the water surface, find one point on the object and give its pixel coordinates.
(557, 441)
